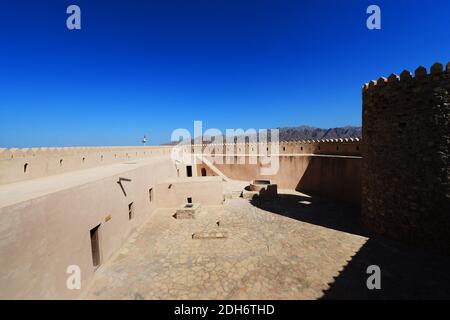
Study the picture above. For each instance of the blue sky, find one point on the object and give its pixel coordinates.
(148, 67)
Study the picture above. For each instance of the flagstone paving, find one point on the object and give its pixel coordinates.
(265, 256)
(290, 248)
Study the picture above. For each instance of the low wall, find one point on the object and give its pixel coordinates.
(173, 193)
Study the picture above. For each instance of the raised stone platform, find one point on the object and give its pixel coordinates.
(210, 235)
(187, 211)
(261, 188)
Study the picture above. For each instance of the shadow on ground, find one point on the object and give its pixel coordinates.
(406, 272)
(314, 210)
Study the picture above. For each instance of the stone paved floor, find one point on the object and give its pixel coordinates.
(292, 248)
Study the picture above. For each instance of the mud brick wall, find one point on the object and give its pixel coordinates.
(406, 164)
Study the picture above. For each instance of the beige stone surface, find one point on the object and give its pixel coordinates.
(174, 192)
(265, 256)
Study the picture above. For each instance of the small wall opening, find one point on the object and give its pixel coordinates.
(189, 200)
(95, 245)
(203, 172)
(131, 211)
(189, 171)
(25, 167)
(150, 194)
(60, 162)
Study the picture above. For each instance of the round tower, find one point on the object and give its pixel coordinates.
(406, 163)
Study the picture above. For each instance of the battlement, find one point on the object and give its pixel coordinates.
(421, 74)
(342, 146)
(28, 163)
(128, 151)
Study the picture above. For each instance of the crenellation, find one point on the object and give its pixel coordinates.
(437, 69)
(420, 73)
(39, 161)
(406, 75)
(382, 81)
(393, 78)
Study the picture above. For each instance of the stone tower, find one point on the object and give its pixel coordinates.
(406, 161)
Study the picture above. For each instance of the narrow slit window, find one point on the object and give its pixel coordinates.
(131, 211)
(95, 245)
(189, 171)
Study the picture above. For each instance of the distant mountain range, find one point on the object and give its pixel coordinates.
(307, 133)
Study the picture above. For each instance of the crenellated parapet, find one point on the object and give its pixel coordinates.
(19, 164)
(437, 73)
(341, 146)
(406, 156)
(12, 153)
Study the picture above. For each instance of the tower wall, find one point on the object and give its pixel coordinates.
(406, 165)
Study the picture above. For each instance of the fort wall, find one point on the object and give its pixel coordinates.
(30, 163)
(48, 212)
(406, 163)
(329, 168)
(42, 234)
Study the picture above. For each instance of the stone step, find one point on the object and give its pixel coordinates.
(236, 193)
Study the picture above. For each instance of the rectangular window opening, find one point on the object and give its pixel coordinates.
(131, 211)
(95, 246)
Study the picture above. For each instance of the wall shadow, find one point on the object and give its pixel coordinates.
(315, 210)
(333, 177)
(406, 272)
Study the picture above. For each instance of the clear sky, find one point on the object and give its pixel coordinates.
(148, 67)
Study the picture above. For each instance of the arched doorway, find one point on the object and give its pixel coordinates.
(203, 172)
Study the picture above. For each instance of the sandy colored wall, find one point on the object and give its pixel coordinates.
(331, 169)
(42, 236)
(30, 163)
(173, 193)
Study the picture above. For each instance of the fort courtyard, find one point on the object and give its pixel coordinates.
(296, 247)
